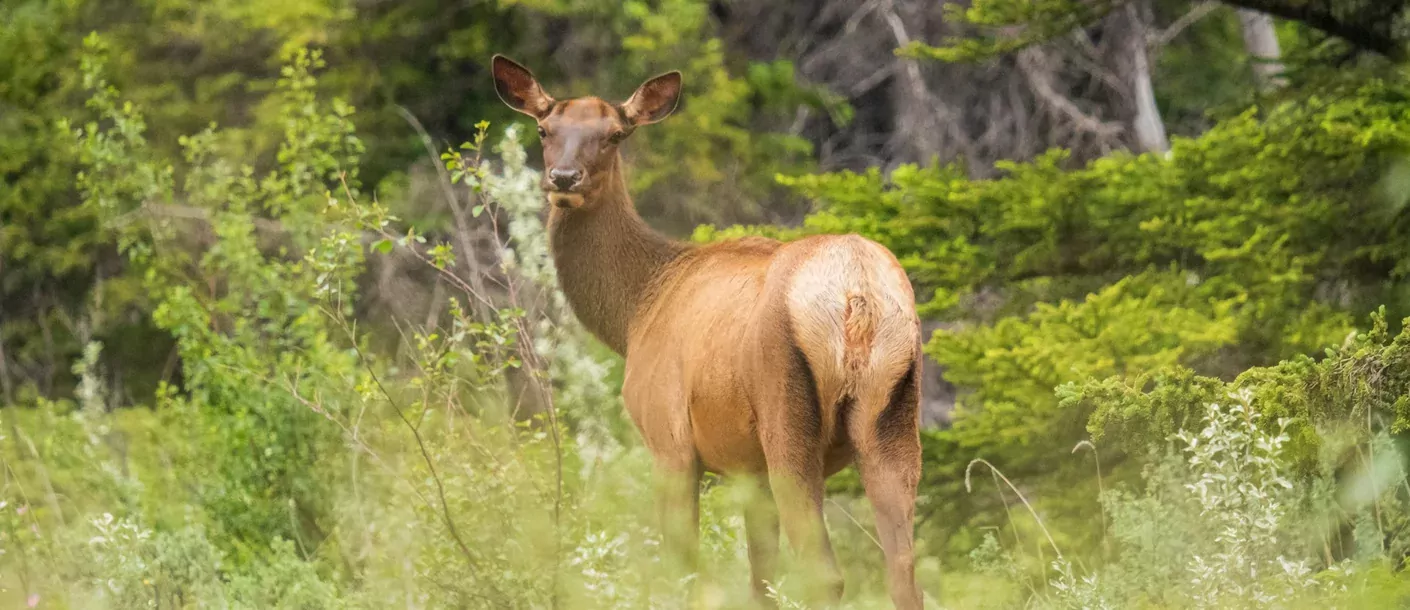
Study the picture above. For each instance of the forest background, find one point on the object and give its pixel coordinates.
(278, 325)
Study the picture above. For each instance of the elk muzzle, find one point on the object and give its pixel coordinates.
(564, 179)
(564, 187)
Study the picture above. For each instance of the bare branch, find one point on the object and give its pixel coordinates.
(1159, 39)
(1030, 62)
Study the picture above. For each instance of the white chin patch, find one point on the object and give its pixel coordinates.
(565, 200)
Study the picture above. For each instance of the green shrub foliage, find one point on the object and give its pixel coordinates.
(1112, 302)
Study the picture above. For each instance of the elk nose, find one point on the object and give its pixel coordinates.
(564, 179)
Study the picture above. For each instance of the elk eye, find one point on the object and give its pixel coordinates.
(542, 132)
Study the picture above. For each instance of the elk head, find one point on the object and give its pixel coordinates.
(580, 136)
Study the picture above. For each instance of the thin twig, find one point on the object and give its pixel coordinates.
(317, 407)
(462, 222)
(1041, 526)
(855, 522)
(1101, 491)
(384, 234)
(420, 443)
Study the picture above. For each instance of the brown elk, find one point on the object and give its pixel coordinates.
(780, 362)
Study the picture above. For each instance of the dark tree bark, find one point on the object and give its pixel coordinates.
(1375, 25)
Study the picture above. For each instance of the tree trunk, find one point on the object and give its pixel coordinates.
(1149, 129)
(1261, 42)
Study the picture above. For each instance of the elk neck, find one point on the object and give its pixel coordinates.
(608, 258)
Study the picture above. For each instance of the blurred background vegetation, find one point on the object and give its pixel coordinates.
(278, 326)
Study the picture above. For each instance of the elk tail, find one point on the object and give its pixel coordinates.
(858, 331)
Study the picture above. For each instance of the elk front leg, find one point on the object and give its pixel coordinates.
(661, 414)
(678, 511)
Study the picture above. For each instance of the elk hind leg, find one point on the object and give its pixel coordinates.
(793, 448)
(887, 441)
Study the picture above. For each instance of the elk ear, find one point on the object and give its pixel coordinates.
(517, 87)
(654, 99)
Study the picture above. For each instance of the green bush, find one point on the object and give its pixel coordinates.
(1226, 521)
(1261, 240)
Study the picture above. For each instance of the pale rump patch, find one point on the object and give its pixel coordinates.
(853, 319)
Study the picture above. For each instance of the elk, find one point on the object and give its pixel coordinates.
(778, 363)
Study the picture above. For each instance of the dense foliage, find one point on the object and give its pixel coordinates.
(1269, 237)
